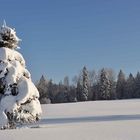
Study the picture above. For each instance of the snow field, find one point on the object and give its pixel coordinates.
(96, 120)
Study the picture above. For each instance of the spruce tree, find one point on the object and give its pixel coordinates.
(104, 86)
(84, 95)
(137, 86)
(129, 87)
(120, 86)
(79, 89)
(42, 88)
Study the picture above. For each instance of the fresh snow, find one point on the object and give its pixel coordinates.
(95, 120)
(27, 90)
(9, 54)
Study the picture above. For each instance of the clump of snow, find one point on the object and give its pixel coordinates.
(8, 54)
(27, 90)
(18, 95)
(8, 104)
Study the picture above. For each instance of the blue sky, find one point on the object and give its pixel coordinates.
(59, 37)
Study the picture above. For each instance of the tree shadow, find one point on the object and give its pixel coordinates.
(90, 119)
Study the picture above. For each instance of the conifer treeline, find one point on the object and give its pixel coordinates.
(89, 85)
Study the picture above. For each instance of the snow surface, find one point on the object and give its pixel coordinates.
(96, 120)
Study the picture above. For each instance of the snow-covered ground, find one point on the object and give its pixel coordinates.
(97, 120)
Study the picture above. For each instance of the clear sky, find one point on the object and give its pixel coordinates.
(59, 37)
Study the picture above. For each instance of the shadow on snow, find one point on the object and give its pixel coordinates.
(90, 119)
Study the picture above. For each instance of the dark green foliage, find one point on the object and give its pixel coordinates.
(129, 87)
(120, 86)
(137, 86)
(79, 90)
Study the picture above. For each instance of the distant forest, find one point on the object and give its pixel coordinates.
(90, 85)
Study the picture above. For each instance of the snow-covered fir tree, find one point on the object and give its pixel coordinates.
(19, 102)
(44, 88)
(104, 85)
(84, 95)
(112, 79)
